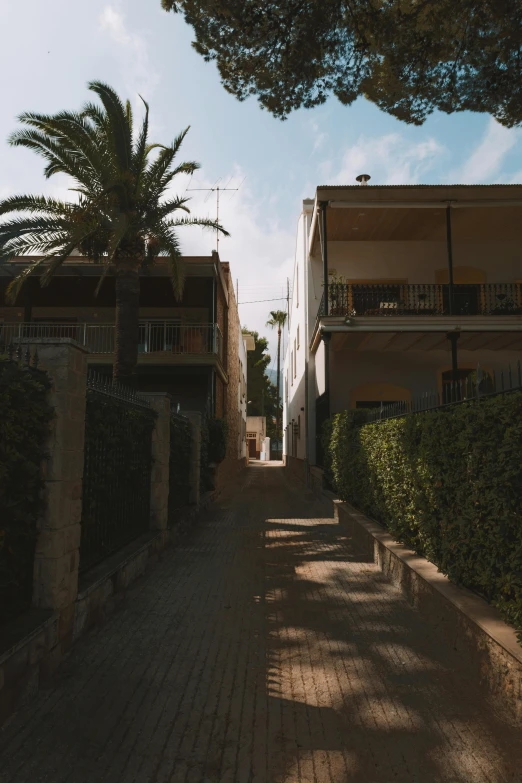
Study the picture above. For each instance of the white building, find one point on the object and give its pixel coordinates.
(392, 326)
(256, 434)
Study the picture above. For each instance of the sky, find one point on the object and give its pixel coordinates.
(51, 50)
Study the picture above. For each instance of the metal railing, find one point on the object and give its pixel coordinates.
(154, 336)
(117, 469)
(422, 299)
(475, 385)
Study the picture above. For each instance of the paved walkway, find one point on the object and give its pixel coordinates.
(262, 650)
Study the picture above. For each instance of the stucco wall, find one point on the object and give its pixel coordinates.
(415, 371)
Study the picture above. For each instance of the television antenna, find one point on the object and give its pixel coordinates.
(217, 189)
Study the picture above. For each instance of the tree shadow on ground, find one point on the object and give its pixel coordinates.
(362, 687)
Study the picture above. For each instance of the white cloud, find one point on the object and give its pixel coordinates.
(319, 136)
(390, 159)
(132, 48)
(484, 163)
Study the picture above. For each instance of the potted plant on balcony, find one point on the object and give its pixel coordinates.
(337, 304)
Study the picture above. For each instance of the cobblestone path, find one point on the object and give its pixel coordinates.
(262, 650)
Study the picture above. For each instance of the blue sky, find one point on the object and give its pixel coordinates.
(52, 49)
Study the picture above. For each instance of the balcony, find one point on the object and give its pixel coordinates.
(401, 316)
(487, 299)
(161, 342)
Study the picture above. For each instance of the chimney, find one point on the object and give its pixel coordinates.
(363, 179)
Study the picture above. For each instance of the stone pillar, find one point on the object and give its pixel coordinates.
(58, 543)
(159, 485)
(196, 424)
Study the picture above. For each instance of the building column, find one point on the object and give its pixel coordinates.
(59, 531)
(452, 336)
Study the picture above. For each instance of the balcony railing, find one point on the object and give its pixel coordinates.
(361, 299)
(154, 336)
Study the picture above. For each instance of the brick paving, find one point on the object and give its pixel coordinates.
(263, 649)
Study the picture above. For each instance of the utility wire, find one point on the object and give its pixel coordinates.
(277, 299)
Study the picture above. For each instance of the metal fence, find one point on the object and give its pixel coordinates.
(117, 469)
(154, 336)
(423, 299)
(477, 385)
(20, 483)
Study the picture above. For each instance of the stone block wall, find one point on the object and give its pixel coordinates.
(229, 469)
(58, 545)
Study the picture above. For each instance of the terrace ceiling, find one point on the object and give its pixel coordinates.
(418, 213)
(412, 224)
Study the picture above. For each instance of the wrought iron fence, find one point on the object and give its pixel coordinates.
(154, 336)
(179, 464)
(26, 415)
(117, 469)
(476, 385)
(423, 299)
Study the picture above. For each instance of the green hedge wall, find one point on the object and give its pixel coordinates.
(447, 483)
(25, 417)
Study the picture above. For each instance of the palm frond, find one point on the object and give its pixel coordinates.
(202, 222)
(139, 158)
(117, 125)
(28, 203)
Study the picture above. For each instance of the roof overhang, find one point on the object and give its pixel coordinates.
(499, 331)
(377, 213)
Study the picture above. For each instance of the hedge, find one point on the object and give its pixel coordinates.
(448, 484)
(24, 426)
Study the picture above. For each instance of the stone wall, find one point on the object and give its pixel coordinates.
(33, 645)
(233, 463)
(64, 606)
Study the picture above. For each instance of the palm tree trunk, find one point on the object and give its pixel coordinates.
(278, 414)
(127, 322)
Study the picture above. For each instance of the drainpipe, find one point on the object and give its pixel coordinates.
(452, 336)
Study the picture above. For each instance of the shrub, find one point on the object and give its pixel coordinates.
(447, 483)
(24, 427)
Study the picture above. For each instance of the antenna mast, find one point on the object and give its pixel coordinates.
(217, 190)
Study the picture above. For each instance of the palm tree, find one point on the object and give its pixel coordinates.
(278, 319)
(124, 217)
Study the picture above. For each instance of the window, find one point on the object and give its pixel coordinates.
(298, 340)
